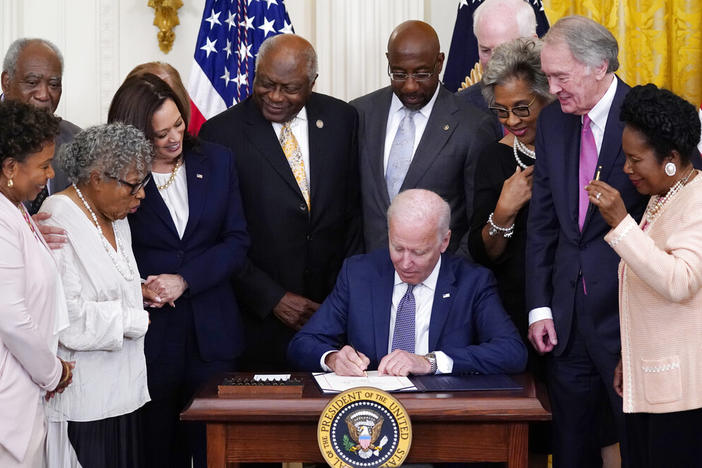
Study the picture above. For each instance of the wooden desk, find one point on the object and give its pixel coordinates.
(447, 427)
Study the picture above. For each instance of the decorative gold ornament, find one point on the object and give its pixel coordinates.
(166, 18)
(476, 74)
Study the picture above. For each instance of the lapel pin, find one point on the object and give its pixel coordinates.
(446, 126)
(199, 176)
(446, 295)
(320, 123)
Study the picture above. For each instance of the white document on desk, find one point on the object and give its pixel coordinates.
(332, 383)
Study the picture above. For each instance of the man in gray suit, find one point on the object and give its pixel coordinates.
(31, 73)
(416, 134)
(496, 22)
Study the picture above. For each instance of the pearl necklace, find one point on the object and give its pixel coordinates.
(129, 275)
(518, 147)
(654, 209)
(173, 175)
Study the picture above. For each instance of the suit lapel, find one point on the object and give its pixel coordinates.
(440, 126)
(381, 299)
(443, 300)
(572, 170)
(375, 141)
(611, 143)
(319, 148)
(262, 137)
(154, 202)
(197, 174)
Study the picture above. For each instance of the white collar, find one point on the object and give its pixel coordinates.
(599, 113)
(430, 281)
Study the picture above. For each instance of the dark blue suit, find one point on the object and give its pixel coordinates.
(467, 322)
(558, 257)
(203, 334)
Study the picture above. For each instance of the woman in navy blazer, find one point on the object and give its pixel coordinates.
(189, 237)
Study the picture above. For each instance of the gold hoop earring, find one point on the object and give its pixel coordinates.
(10, 183)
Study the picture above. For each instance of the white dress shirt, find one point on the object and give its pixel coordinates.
(175, 196)
(395, 115)
(423, 299)
(598, 116)
(299, 128)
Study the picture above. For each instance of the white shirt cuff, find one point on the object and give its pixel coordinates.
(444, 364)
(324, 367)
(540, 313)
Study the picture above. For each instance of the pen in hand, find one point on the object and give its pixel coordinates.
(597, 174)
(360, 359)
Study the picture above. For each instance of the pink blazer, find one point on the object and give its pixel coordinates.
(660, 305)
(29, 305)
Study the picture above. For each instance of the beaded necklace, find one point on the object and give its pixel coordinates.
(519, 147)
(129, 275)
(654, 209)
(173, 175)
(25, 215)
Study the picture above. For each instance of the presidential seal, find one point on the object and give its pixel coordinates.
(364, 427)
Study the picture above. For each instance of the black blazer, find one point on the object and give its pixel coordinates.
(213, 247)
(292, 249)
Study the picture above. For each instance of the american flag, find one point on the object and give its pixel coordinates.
(230, 34)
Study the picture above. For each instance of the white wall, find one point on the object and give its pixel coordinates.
(102, 40)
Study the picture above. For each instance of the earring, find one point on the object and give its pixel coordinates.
(10, 183)
(670, 169)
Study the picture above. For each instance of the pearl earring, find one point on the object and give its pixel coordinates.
(670, 169)
(10, 183)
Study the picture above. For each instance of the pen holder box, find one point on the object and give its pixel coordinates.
(238, 387)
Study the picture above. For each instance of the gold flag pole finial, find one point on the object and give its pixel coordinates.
(166, 18)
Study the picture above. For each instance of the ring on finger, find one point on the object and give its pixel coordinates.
(599, 194)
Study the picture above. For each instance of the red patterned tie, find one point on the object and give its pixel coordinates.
(588, 162)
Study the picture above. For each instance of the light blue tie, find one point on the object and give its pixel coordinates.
(400, 154)
(403, 335)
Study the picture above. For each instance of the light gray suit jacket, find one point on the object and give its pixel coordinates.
(444, 161)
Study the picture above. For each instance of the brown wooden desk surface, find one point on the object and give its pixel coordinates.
(447, 427)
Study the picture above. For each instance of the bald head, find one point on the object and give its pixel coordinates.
(286, 69)
(418, 233)
(415, 62)
(412, 37)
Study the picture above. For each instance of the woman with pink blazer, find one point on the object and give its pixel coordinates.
(32, 308)
(660, 280)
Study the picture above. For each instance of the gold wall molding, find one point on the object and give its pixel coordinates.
(165, 18)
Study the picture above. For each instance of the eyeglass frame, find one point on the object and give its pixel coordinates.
(497, 110)
(413, 75)
(135, 187)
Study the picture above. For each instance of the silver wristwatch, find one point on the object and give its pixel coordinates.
(431, 357)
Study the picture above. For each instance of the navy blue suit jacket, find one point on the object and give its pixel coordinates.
(213, 247)
(467, 321)
(557, 252)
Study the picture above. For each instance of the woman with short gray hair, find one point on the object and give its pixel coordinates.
(108, 165)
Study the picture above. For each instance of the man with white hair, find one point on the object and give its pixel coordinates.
(412, 308)
(496, 22)
(31, 73)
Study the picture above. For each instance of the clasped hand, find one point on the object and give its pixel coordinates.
(163, 289)
(295, 310)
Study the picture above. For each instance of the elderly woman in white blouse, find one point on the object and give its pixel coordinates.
(108, 166)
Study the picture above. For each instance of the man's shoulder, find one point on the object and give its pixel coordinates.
(226, 117)
(68, 127)
(472, 95)
(373, 100)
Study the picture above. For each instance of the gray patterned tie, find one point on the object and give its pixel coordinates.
(403, 335)
(400, 154)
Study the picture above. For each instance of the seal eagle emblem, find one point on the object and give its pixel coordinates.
(364, 427)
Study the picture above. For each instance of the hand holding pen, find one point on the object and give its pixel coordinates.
(348, 361)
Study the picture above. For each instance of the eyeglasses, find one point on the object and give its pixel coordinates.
(519, 111)
(134, 187)
(404, 76)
